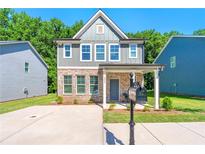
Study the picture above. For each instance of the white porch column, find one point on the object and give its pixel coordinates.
(104, 90)
(142, 80)
(156, 89)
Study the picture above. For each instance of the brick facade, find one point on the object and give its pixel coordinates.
(123, 78)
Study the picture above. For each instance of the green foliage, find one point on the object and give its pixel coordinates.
(199, 32)
(20, 26)
(153, 45)
(112, 106)
(167, 104)
(146, 108)
(75, 101)
(59, 99)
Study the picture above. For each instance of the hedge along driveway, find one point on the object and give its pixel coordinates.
(23, 103)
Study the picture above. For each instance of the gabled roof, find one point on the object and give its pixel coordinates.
(20, 42)
(101, 14)
(177, 36)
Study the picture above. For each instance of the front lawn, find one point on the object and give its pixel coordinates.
(124, 117)
(23, 103)
(181, 103)
(186, 109)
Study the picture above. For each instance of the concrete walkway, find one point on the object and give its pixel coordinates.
(53, 125)
(156, 133)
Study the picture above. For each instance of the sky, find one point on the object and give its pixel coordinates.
(131, 20)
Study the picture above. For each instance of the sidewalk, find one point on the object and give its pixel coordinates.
(156, 133)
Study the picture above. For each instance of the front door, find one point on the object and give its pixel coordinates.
(114, 89)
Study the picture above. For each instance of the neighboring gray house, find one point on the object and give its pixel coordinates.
(184, 59)
(96, 63)
(23, 73)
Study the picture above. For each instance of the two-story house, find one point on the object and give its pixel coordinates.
(97, 61)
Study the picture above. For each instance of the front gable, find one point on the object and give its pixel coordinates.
(108, 34)
(111, 30)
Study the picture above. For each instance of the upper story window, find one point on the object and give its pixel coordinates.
(173, 62)
(100, 52)
(133, 51)
(26, 67)
(114, 52)
(86, 52)
(67, 51)
(100, 29)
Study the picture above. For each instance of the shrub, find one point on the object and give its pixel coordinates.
(167, 104)
(128, 106)
(59, 99)
(112, 106)
(75, 101)
(146, 108)
(90, 101)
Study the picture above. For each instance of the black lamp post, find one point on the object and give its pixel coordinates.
(132, 104)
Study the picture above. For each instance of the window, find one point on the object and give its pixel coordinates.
(100, 54)
(67, 51)
(26, 67)
(100, 29)
(93, 85)
(67, 84)
(86, 52)
(114, 54)
(173, 62)
(81, 84)
(133, 51)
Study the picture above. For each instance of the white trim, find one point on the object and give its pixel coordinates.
(78, 67)
(130, 50)
(68, 94)
(90, 52)
(64, 52)
(104, 51)
(116, 78)
(103, 29)
(89, 85)
(103, 15)
(76, 89)
(119, 52)
(104, 90)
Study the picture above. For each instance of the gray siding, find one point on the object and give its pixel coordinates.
(189, 72)
(13, 79)
(90, 36)
(109, 33)
(75, 60)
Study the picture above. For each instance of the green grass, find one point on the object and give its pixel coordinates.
(181, 103)
(124, 117)
(23, 103)
(192, 109)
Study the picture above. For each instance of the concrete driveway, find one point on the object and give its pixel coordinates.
(156, 133)
(53, 125)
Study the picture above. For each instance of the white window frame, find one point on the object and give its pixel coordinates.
(119, 52)
(81, 84)
(130, 51)
(67, 84)
(82, 52)
(173, 63)
(93, 84)
(103, 29)
(104, 51)
(64, 51)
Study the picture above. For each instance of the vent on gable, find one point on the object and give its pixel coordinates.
(100, 29)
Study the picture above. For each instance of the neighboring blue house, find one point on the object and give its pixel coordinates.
(23, 73)
(184, 59)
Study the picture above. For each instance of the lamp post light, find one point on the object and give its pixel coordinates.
(132, 105)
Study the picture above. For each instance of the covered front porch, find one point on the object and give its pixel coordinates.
(116, 80)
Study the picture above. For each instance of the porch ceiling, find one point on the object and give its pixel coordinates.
(143, 68)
